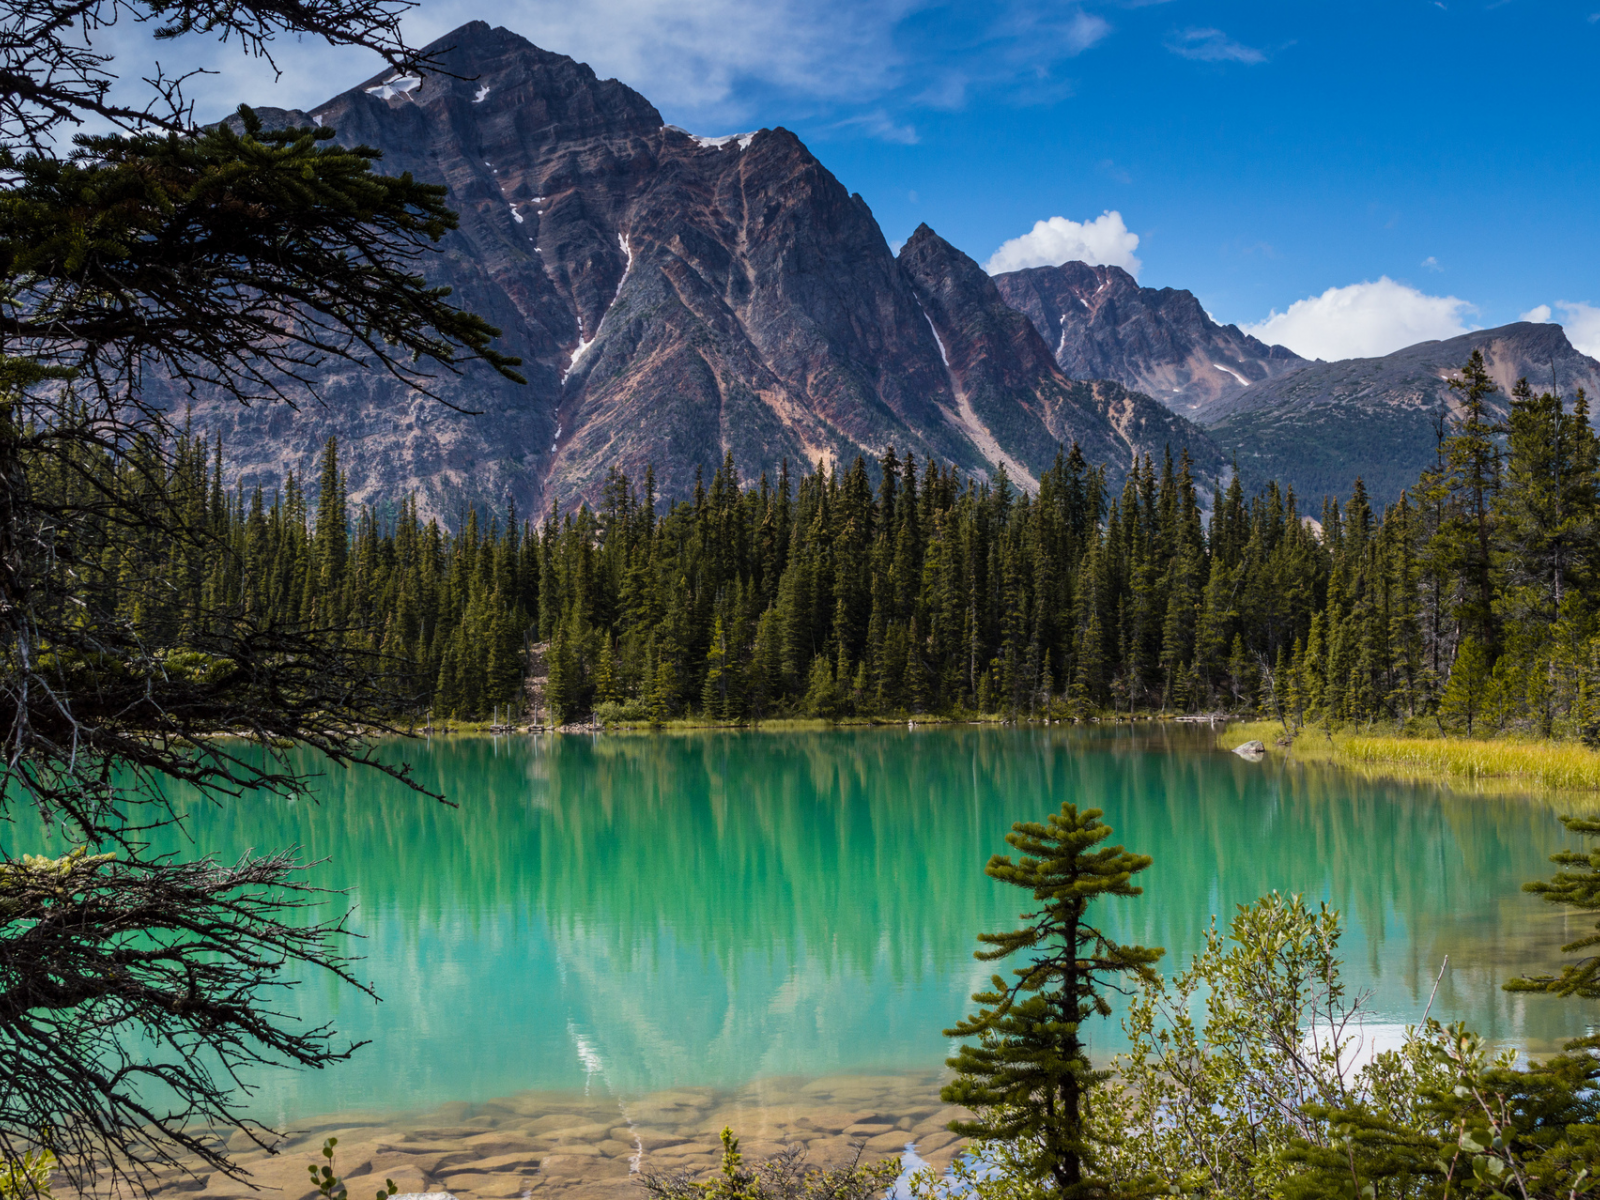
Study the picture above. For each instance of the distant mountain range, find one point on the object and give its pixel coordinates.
(675, 298)
(1323, 424)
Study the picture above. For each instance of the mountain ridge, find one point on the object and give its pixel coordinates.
(1319, 427)
(1159, 341)
(676, 298)
(673, 299)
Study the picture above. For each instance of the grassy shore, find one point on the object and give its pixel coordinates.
(1562, 766)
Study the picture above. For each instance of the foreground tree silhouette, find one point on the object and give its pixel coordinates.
(137, 268)
(1028, 1078)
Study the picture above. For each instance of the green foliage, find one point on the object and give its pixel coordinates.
(26, 1177)
(330, 1186)
(1263, 1096)
(1444, 1117)
(1469, 687)
(1576, 886)
(199, 228)
(445, 616)
(785, 1176)
(1028, 1078)
(1209, 1103)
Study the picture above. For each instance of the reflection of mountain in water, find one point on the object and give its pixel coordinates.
(636, 912)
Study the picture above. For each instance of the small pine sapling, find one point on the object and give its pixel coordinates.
(1028, 1077)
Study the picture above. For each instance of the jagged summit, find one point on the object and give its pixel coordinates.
(674, 297)
(1102, 325)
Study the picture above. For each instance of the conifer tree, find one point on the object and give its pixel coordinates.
(1466, 693)
(1028, 1077)
(1576, 885)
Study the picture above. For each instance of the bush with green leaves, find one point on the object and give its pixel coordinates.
(1249, 1077)
(27, 1177)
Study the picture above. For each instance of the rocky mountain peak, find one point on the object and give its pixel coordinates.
(1102, 325)
(1011, 399)
(674, 297)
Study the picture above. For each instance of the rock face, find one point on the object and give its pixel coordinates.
(1101, 324)
(1378, 418)
(1011, 399)
(673, 298)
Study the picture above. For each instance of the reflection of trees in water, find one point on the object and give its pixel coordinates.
(808, 864)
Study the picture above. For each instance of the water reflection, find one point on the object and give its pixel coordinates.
(630, 913)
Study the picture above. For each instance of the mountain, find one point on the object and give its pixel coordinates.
(1011, 398)
(1160, 341)
(673, 298)
(1320, 427)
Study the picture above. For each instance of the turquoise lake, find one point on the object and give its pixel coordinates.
(654, 911)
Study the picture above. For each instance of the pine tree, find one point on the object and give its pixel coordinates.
(333, 522)
(821, 698)
(714, 694)
(1028, 1077)
(1575, 886)
(1467, 690)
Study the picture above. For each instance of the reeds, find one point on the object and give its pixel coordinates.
(1560, 766)
(1546, 764)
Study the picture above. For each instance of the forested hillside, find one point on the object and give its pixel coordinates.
(902, 588)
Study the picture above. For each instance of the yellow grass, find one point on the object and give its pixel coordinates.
(1560, 766)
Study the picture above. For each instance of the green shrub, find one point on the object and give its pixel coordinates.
(613, 712)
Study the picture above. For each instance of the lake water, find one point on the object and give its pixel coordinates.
(635, 915)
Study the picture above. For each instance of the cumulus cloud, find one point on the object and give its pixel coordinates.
(1104, 240)
(1538, 315)
(1212, 45)
(1363, 320)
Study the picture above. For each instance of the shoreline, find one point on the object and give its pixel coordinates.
(1539, 768)
(595, 1145)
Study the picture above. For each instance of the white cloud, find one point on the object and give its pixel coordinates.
(1580, 320)
(695, 57)
(1212, 45)
(1104, 240)
(826, 65)
(881, 125)
(1432, 263)
(697, 60)
(1582, 323)
(1363, 320)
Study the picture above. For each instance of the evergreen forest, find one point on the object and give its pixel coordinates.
(898, 588)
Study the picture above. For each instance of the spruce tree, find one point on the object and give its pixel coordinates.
(1467, 691)
(1028, 1077)
(1576, 885)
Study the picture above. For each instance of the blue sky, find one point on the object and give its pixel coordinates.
(1261, 154)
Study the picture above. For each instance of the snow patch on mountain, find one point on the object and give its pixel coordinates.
(714, 143)
(395, 85)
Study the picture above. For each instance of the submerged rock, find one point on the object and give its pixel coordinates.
(1252, 750)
